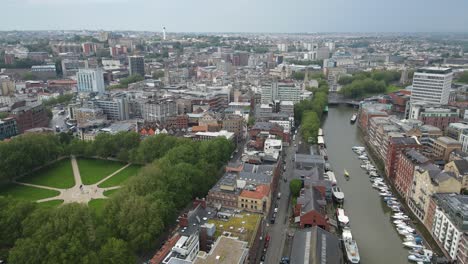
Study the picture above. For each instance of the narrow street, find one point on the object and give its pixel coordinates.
(279, 230)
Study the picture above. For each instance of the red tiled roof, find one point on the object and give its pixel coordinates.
(260, 192)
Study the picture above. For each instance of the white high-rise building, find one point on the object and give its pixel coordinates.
(283, 47)
(432, 85)
(90, 80)
(280, 91)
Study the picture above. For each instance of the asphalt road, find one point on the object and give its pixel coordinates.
(278, 231)
(58, 120)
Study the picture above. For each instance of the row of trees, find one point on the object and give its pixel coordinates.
(177, 170)
(309, 112)
(126, 81)
(61, 99)
(365, 83)
(306, 62)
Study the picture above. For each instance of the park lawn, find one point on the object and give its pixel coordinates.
(58, 175)
(120, 177)
(26, 192)
(51, 203)
(94, 170)
(97, 205)
(109, 193)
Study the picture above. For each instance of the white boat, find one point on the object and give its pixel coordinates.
(412, 245)
(401, 217)
(403, 232)
(388, 198)
(352, 252)
(422, 252)
(353, 118)
(393, 203)
(343, 220)
(385, 193)
(395, 208)
(363, 157)
(360, 148)
(338, 195)
(396, 222)
(419, 258)
(331, 177)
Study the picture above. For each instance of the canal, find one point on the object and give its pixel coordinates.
(371, 225)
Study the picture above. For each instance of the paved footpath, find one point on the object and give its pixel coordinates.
(78, 193)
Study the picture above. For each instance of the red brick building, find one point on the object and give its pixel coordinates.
(310, 209)
(177, 122)
(399, 100)
(395, 146)
(406, 163)
(30, 116)
(271, 128)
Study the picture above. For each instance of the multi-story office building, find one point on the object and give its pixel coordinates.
(30, 116)
(84, 115)
(44, 71)
(136, 65)
(8, 128)
(449, 226)
(90, 80)
(287, 107)
(434, 115)
(71, 67)
(158, 110)
(441, 147)
(115, 108)
(432, 85)
(280, 91)
(459, 131)
(234, 124)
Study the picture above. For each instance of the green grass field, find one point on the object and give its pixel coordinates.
(120, 177)
(26, 193)
(94, 170)
(58, 175)
(109, 193)
(52, 203)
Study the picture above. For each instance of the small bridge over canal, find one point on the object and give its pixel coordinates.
(337, 99)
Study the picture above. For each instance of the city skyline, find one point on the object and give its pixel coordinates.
(222, 16)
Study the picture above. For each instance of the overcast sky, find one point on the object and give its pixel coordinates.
(238, 15)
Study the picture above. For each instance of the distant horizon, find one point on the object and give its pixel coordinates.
(210, 16)
(237, 32)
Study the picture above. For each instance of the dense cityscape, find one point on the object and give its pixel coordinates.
(178, 148)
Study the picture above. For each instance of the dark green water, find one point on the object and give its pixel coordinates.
(371, 225)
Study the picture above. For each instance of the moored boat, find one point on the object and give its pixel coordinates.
(343, 220)
(351, 248)
(338, 195)
(412, 245)
(353, 118)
